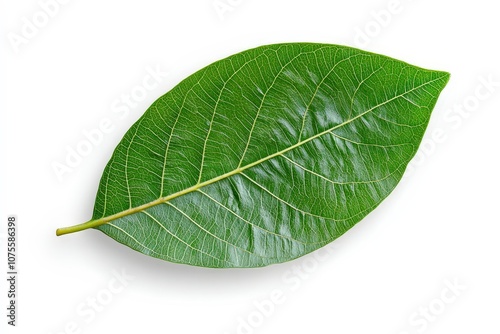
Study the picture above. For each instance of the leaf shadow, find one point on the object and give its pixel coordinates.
(160, 272)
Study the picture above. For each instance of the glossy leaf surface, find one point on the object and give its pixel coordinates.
(266, 155)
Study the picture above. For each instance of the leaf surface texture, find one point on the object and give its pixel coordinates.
(266, 155)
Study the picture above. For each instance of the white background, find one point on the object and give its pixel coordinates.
(440, 227)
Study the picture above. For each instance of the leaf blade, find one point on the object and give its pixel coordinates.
(230, 164)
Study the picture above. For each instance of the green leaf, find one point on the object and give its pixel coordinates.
(264, 156)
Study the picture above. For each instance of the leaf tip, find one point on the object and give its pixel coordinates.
(446, 76)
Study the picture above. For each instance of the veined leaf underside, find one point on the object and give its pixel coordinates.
(266, 155)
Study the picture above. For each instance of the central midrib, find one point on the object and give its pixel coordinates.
(104, 220)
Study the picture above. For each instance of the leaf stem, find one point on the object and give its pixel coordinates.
(79, 227)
